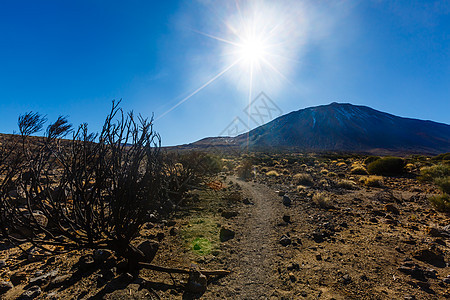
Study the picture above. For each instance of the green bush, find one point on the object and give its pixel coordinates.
(433, 172)
(358, 170)
(346, 184)
(441, 202)
(303, 179)
(442, 157)
(371, 159)
(443, 183)
(386, 166)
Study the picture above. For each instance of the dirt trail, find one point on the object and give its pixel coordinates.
(256, 239)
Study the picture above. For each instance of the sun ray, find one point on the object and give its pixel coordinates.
(199, 89)
(216, 38)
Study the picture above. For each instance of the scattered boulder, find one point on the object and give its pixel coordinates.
(287, 201)
(247, 201)
(392, 209)
(86, 263)
(44, 279)
(346, 279)
(287, 218)
(5, 286)
(18, 277)
(431, 256)
(446, 279)
(149, 249)
(226, 234)
(285, 240)
(197, 281)
(58, 281)
(173, 231)
(31, 293)
(439, 232)
(417, 272)
(101, 255)
(229, 214)
(386, 196)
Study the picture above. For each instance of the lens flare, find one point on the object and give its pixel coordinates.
(259, 42)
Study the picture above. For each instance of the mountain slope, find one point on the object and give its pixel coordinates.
(344, 127)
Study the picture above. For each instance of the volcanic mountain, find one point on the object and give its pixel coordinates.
(341, 127)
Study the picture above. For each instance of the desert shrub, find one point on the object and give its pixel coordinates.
(442, 157)
(433, 172)
(245, 169)
(410, 167)
(272, 173)
(322, 200)
(440, 175)
(358, 170)
(371, 159)
(346, 184)
(386, 166)
(444, 184)
(303, 179)
(441, 202)
(372, 181)
(92, 191)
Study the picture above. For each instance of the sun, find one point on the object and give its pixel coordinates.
(252, 50)
(258, 45)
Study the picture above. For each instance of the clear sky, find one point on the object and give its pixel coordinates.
(167, 57)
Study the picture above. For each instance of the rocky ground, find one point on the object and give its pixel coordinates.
(326, 235)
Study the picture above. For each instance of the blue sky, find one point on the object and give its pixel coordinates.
(73, 57)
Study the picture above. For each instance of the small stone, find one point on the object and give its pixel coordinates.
(197, 281)
(292, 277)
(293, 266)
(149, 249)
(18, 277)
(430, 256)
(43, 279)
(86, 263)
(286, 201)
(5, 286)
(226, 234)
(152, 218)
(51, 260)
(31, 293)
(229, 214)
(173, 231)
(101, 255)
(160, 236)
(392, 209)
(247, 201)
(346, 279)
(285, 240)
(58, 281)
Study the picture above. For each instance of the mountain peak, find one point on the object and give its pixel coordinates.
(343, 127)
(348, 127)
